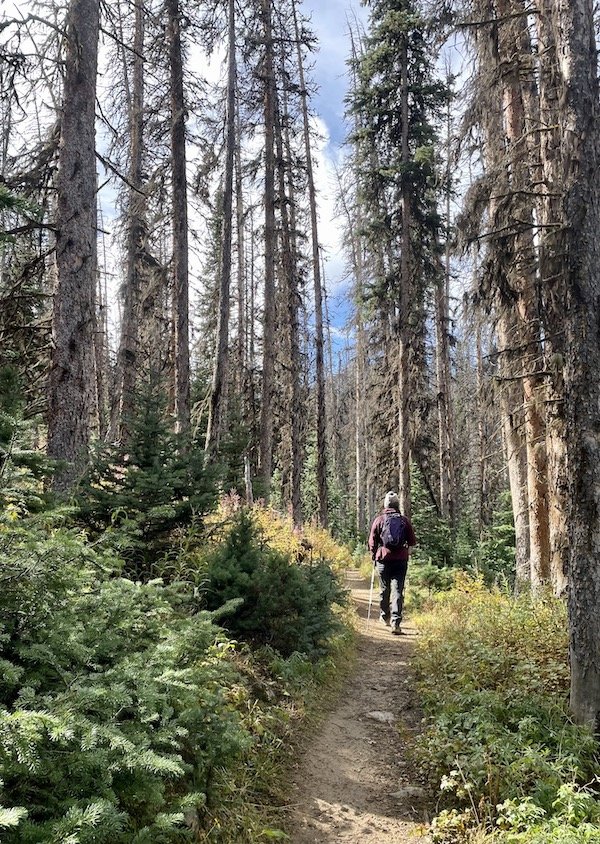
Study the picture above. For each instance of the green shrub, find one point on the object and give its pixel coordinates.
(113, 707)
(494, 680)
(139, 493)
(287, 606)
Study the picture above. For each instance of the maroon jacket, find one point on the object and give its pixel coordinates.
(387, 555)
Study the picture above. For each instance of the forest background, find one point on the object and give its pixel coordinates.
(480, 408)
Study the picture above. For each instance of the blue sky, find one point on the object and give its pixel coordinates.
(330, 21)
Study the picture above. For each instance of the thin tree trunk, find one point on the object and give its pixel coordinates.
(322, 492)
(127, 358)
(288, 259)
(216, 410)
(268, 357)
(72, 365)
(180, 220)
(404, 446)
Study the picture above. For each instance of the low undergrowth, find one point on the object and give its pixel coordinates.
(153, 712)
(510, 764)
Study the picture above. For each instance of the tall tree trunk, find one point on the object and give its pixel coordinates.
(551, 261)
(405, 298)
(573, 24)
(266, 412)
(322, 492)
(180, 220)
(289, 262)
(215, 417)
(443, 365)
(521, 274)
(127, 358)
(72, 366)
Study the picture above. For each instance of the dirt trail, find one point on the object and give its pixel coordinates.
(354, 784)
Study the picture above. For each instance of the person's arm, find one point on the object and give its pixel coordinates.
(374, 538)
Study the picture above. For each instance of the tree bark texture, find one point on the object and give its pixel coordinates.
(180, 220)
(72, 367)
(321, 413)
(291, 296)
(266, 411)
(552, 248)
(522, 279)
(574, 33)
(221, 364)
(127, 358)
(405, 298)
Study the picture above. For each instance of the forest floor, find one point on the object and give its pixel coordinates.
(355, 783)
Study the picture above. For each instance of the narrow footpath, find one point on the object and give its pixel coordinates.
(355, 784)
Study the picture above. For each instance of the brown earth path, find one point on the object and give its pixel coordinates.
(354, 784)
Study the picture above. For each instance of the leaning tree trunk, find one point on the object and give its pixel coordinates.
(72, 367)
(217, 397)
(180, 223)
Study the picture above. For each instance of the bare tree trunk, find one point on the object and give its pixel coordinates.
(242, 359)
(293, 366)
(511, 400)
(521, 273)
(215, 417)
(101, 360)
(404, 444)
(180, 221)
(72, 366)
(322, 492)
(573, 25)
(127, 358)
(268, 357)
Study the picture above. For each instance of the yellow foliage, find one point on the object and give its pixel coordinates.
(302, 545)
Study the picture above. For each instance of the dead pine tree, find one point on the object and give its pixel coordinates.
(73, 320)
(220, 369)
(180, 219)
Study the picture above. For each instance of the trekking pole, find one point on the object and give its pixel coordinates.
(371, 595)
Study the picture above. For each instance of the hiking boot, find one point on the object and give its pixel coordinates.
(396, 629)
(384, 620)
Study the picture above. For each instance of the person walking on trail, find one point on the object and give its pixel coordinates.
(390, 540)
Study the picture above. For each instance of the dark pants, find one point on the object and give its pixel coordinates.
(391, 589)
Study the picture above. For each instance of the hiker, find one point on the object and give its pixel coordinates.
(390, 540)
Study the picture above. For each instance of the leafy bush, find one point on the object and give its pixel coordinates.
(113, 707)
(494, 679)
(284, 605)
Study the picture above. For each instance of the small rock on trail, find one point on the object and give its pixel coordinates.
(353, 785)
